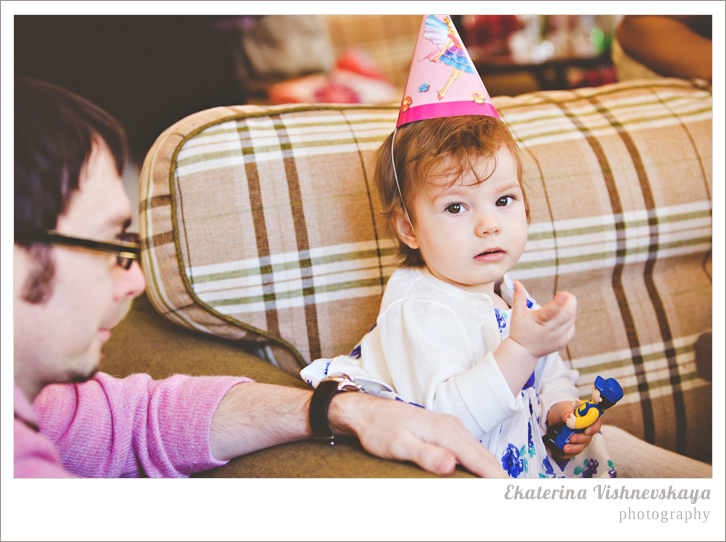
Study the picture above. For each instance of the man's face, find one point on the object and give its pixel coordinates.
(60, 339)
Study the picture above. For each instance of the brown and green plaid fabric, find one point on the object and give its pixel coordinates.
(262, 224)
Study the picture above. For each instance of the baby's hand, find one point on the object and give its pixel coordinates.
(571, 421)
(546, 330)
(562, 411)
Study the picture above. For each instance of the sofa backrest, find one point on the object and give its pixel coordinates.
(262, 224)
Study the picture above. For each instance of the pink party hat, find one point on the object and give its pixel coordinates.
(442, 80)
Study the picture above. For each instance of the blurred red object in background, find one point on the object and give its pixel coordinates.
(355, 78)
(489, 33)
(357, 61)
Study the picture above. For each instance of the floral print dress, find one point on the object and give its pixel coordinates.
(518, 442)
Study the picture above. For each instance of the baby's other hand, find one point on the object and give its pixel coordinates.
(545, 330)
(561, 310)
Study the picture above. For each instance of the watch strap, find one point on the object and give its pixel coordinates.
(320, 403)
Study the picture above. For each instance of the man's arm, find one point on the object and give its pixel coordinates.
(254, 416)
(668, 45)
(120, 427)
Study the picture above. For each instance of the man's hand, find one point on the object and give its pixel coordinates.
(395, 430)
(546, 330)
(253, 416)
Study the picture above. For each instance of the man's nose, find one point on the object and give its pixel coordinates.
(130, 282)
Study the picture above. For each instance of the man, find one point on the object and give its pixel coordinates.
(648, 46)
(75, 272)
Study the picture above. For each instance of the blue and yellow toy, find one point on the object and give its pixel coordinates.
(605, 393)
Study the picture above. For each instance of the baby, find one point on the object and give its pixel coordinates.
(454, 333)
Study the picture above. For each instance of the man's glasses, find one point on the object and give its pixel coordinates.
(127, 249)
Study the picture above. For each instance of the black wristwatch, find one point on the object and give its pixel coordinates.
(320, 402)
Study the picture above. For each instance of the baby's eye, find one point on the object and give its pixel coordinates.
(505, 201)
(455, 208)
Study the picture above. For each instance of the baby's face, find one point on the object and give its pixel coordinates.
(471, 234)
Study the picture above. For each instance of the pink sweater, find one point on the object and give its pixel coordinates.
(109, 427)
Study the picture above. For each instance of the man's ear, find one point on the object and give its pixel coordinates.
(33, 271)
(405, 229)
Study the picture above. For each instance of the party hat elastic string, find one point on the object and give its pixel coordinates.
(398, 185)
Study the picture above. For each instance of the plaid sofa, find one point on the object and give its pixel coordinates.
(261, 230)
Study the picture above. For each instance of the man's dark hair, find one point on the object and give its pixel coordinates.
(55, 132)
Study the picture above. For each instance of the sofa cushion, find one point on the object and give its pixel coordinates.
(261, 224)
(145, 342)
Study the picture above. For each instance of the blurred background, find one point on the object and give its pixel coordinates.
(150, 71)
